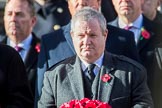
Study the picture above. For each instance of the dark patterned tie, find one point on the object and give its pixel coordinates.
(91, 74)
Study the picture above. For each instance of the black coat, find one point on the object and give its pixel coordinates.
(150, 52)
(31, 61)
(14, 87)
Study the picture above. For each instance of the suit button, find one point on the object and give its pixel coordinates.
(60, 10)
(56, 27)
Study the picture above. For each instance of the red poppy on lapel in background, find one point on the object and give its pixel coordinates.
(37, 47)
(145, 34)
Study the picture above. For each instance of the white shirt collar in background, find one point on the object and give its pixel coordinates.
(25, 44)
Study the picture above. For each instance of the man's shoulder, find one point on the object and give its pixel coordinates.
(7, 52)
(119, 32)
(62, 65)
(54, 34)
(127, 63)
(66, 61)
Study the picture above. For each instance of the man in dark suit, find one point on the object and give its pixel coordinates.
(19, 19)
(149, 9)
(14, 87)
(51, 15)
(58, 45)
(71, 79)
(148, 36)
(108, 10)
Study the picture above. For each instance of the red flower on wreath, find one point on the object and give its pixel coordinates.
(145, 34)
(37, 47)
(105, 78)
(85, 103)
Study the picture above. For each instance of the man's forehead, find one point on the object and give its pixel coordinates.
(16, 5)
(86, 25)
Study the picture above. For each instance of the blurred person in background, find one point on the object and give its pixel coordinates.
(51, 15)
(149, 9)
(148, 37)
(14, 87)
(108, 10)
(160, 7)
(2, 30)
(19, 20)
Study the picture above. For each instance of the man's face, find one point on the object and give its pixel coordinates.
(18, 20)
(149, 8)
(88, 39)
(127, 7)
(75, 5)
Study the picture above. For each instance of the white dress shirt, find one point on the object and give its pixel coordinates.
(25, 44)
(98, 63)
(136, 29)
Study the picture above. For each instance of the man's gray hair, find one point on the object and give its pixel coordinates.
(86, 14)
(30, 4)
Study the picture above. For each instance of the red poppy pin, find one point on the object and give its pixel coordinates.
(106, 78)
(37, 47)
(145, 34)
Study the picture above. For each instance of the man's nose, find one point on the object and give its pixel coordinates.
(87, 40)
(13, 17)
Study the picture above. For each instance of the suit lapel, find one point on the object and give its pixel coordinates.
(114, 23)
(5, 40)
(67, 35)
(149, 28)
(76, 80)
(101, 90)
(32, 54)
(104, 88)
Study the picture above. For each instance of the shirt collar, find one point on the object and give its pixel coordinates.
(137, 23)
(98, 63)
(24, 44)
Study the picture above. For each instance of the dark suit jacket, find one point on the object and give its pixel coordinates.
(31, 61)
(57, 14)
(126, 89)
(57, 46)
(14, 88)
(148, 52)
(158, 17)
(108, 10)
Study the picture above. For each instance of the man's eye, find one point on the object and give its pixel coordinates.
(9, 13)
(20, 14)
(92, 35)
(81, 35)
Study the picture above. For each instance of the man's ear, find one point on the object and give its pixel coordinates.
(34, 20)
(105, 34)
